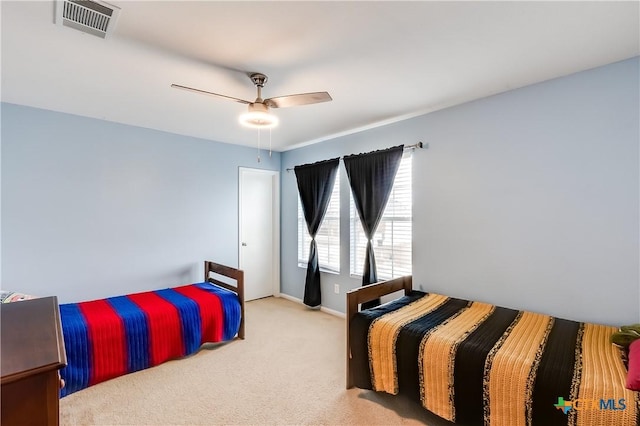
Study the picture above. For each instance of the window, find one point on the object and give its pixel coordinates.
(328, 237)
(392, 240)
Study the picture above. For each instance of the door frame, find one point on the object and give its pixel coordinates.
(275, 225)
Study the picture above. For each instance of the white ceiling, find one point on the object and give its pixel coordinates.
(380, 61)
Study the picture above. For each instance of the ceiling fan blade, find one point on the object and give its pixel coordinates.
(204, 92)
(299, 99)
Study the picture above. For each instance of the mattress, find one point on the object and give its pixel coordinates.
(475, 363)
(111, 337)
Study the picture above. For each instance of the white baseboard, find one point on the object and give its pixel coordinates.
(322, 308)
(293, 299)
(333, 312)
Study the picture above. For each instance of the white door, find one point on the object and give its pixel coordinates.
(259, 232)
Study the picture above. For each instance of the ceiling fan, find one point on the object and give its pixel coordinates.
(258, 114)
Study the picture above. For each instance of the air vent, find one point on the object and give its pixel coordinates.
(90, 16)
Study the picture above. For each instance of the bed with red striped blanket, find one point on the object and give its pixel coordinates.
(118, 335)
(474, 363)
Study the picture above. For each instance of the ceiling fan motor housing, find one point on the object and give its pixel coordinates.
(258, 107)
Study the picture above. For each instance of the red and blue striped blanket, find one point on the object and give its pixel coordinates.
(111, 337)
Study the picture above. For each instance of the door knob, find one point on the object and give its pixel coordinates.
(244, 244)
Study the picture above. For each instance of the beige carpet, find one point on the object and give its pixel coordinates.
(290, 370)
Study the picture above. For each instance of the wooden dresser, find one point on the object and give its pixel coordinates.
(32, 352)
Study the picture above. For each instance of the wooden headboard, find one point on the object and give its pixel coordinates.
(365, 294)
(235, 274)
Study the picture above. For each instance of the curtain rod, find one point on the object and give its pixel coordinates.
(406, 147)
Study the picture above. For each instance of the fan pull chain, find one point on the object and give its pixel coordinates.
(269, 142)
(258, 145)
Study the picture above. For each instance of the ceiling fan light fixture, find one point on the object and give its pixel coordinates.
(258, 117)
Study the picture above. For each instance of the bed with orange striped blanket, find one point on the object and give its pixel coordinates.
(475, 363)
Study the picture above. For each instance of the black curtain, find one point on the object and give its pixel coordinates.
(371, 177)
(315, 185)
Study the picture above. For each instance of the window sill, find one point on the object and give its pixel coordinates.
(323, 270)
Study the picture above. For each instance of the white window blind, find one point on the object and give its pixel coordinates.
(392, 240)
(328, 237)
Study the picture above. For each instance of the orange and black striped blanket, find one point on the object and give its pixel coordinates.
(475, 363)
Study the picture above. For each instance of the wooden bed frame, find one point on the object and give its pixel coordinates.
(558, 341)
(234, 274)
(364, 294)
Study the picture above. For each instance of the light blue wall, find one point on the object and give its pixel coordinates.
(527, 199)
(92, 208)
